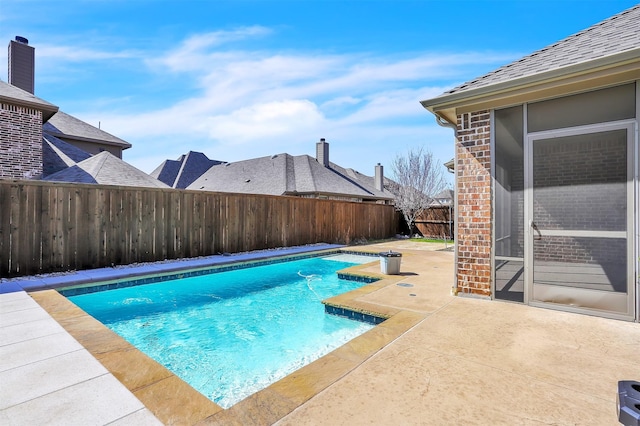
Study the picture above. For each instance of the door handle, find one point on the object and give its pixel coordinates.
(535, 228)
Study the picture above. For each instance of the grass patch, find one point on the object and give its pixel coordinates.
(431, 240)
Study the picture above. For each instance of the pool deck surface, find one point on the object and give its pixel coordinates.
(438, 359)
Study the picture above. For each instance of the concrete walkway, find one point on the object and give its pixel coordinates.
(438, 360)
(48, 378)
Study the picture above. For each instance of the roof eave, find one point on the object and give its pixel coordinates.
(338, 194)
(445, 105)
(123, 144)
(48, 110)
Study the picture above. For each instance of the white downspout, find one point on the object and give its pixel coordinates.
(443, 123)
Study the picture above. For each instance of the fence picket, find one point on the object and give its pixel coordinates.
(46, 227)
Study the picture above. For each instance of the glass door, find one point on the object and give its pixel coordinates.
(580, 219)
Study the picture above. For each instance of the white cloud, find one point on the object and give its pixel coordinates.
(341, 101)
(268, 120)
(217, 38)
(194, 52)
(250, 103)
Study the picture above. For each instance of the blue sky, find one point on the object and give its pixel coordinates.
(242, 79)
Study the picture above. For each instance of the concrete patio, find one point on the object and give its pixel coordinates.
(48, 378)
(439, 359)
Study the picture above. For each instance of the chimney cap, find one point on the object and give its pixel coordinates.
(321, 139)
(22, 40)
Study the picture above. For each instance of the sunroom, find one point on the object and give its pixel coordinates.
(546, 166)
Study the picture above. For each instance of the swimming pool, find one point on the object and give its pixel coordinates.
(230, 334)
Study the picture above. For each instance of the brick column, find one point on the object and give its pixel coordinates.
(473, 177)
(20, 142)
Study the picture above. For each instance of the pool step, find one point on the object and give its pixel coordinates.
(348, 313)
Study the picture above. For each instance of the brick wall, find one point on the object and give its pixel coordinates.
(20, 142)
(473, 175)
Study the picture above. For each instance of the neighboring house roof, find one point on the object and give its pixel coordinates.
(284, 174)
(16, 96)
(57, 155)
(167, 171)
(357, 178)
(443, 198)
(63, 125)
(185, 170)
(105, 169)
(611, 46)
(446, 194)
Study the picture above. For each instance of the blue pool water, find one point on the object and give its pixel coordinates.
(231, 334)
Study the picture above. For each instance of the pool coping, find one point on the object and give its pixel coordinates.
(173, 401)
(92, 276)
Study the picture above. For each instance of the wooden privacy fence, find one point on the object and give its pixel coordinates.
(436, 222)
(46, 227)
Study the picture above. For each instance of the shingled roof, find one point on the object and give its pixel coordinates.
(57, 155)
(284, 174)
(16, 96)
(63, 125)
(615, 35)
(182, 172)
(603, 54)
(106, 169)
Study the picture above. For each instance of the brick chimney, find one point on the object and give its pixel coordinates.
(322, 152)
(21, 127)
(379, 177)
(22, 64)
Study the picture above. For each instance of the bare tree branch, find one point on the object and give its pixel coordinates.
(418, 179)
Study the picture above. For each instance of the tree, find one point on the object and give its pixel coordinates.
(418, 178)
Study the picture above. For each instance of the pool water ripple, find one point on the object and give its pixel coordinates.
(232, 333)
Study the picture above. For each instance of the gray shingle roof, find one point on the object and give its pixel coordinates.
(444, 197)
(15, 95)
(615, 35)
(106, 169)
(345, 180)
(65, 125)
(57, 155)
(182, 172)
(284, 174)
(264, 175)
(167, 171)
